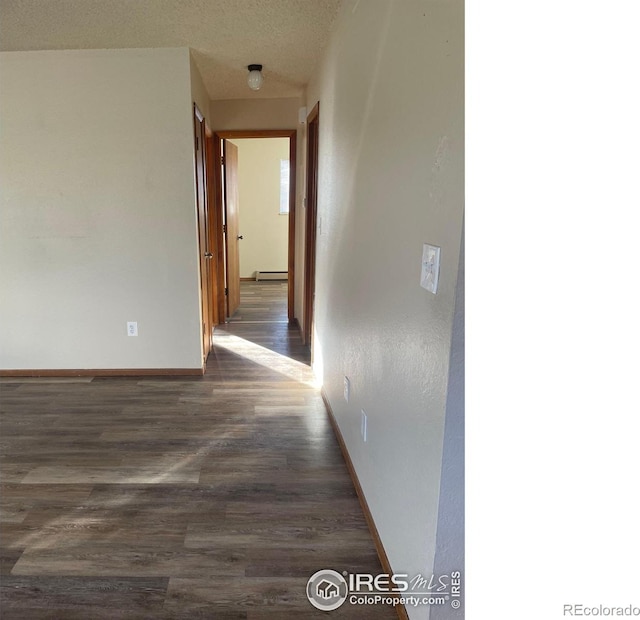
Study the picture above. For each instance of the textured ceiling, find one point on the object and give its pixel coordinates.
(286, 36)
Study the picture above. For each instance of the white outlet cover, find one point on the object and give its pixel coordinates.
(363, 425)
(430, 268)
(347, 388)
(132, 328)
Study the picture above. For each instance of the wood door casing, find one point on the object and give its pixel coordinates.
(203, 231)
(232, 226)
(311, 223)
(218, 228)
(215, 291)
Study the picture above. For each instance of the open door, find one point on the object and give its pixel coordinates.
(203, 231)
(311, 223)
(231, 228)
(214, 289)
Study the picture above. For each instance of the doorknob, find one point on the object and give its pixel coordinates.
(240, 237)
(208, 255)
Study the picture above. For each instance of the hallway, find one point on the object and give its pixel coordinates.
(262, 320)
(180, 497)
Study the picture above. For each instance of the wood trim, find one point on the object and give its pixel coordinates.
(257, 133)
(102, 372)
(293, 168)
(215, 290)
(218, 137)
(231, 212)
(247, 279)
(382, 554)
(310, 225)
(218, 243)
(203, 216)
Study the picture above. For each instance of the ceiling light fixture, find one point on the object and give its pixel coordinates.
(255, 78)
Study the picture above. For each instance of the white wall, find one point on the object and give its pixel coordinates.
(391, 156)
(199, 92)
(265, 244)
(450, 539)
(98, 223)
(232, 114)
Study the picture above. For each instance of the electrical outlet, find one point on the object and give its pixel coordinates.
(347, 388)
(363, 425)
(132, 328)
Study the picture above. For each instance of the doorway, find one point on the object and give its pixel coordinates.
(238, 260)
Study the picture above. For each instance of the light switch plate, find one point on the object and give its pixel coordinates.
(430, 267)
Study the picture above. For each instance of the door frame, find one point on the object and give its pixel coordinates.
(311, 224)
(203, 214)
(231, 227)
(218, 137)
(210, 176)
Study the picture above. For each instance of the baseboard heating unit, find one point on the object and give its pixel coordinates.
(271, 275)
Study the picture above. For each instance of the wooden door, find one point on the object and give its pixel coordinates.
(232, 235)
(203, 231)
(215, 289)
(311, 223)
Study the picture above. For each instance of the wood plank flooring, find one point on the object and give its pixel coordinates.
(179, 497)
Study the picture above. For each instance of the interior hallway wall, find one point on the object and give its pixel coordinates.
(199, 93)
(450, 539)
(391, 178)
(98, 210)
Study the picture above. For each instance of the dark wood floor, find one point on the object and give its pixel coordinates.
(200, 497)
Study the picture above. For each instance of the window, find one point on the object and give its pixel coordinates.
(284, 186)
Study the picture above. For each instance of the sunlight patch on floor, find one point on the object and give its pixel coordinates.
(291, 368)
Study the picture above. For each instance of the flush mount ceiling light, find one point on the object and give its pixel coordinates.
(255, 78)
